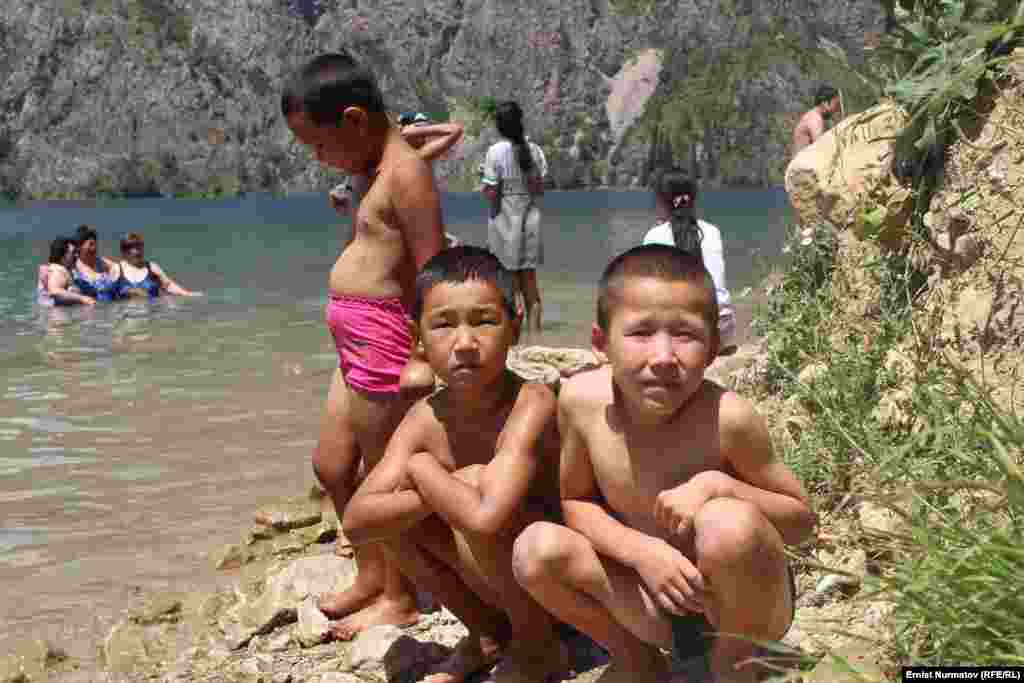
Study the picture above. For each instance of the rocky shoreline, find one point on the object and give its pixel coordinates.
(263, 626)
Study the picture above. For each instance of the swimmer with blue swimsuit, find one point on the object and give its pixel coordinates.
(142, 278)
(94, 276)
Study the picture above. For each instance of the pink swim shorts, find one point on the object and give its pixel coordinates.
(373, 341)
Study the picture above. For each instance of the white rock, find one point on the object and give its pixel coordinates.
(312, 623)
(369, 648)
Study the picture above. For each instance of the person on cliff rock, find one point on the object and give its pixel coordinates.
(827, 102)
(334, 107)
(467, 470)
(514, 170)
(677, 512)
(675, 201)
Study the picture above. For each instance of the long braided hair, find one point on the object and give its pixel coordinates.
(508, 119)
(678, 193)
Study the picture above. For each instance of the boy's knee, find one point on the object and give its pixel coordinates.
(538, 551)
(731, 532)
(322, 467)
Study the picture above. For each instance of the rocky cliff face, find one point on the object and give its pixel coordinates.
(181, 96)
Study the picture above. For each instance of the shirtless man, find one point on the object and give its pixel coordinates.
(677, 512)
(812, 123)
(335, 108)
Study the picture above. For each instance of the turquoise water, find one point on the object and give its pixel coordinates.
(136, 436)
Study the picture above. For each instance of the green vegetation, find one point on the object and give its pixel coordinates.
(874, 402)
(220, 186)
(713, 99)
(875, 410)
(941, 58)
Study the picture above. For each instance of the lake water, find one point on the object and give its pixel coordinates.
(137, 438)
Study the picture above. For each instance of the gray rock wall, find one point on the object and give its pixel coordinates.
(181, 96)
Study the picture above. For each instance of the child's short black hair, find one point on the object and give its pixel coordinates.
(326, 85)
(459, 264)
(84, 233)
(658, 261)
(824, 93)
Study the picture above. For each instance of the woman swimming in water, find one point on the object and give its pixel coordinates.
(56, 290)
(142, 278)
(93, 275)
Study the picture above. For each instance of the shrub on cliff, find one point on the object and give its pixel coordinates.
(867, 415)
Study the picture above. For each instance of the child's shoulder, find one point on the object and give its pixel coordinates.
(735, 413)
(537, 393)
(591, 388)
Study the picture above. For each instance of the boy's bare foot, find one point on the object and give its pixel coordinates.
(471, 654)
(354, 598)
(380, 612)
(528, 662)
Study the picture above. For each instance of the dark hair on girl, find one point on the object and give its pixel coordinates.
(59, 249)
(679, 193)
(824, 93)
(326, 85)
(84, 233)
(131, 239)
(508, 118)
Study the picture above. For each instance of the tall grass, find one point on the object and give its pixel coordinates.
(950, 466)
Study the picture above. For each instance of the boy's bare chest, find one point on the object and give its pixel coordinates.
(474, 444)
(633, 467)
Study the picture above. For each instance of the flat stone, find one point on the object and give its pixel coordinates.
(293, 514)
(233, 557)
(550, 365)
(278, 604)
(324, 532)
(124, 649)
(30, 661)
(161, 608)
(340, 677)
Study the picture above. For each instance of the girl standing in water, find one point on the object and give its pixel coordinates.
(513, 178)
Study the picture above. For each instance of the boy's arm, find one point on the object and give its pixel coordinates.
(503, 483)
(444, 137)
(581, 499)
(418, 208)
(760, 479)
(384, 505)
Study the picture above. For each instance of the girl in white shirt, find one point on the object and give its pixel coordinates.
(675, 199)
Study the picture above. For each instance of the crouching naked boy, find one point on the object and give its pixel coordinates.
(676, 512)
(467, 470)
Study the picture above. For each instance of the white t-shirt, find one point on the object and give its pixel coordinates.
(500, 165)
(710, 248)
